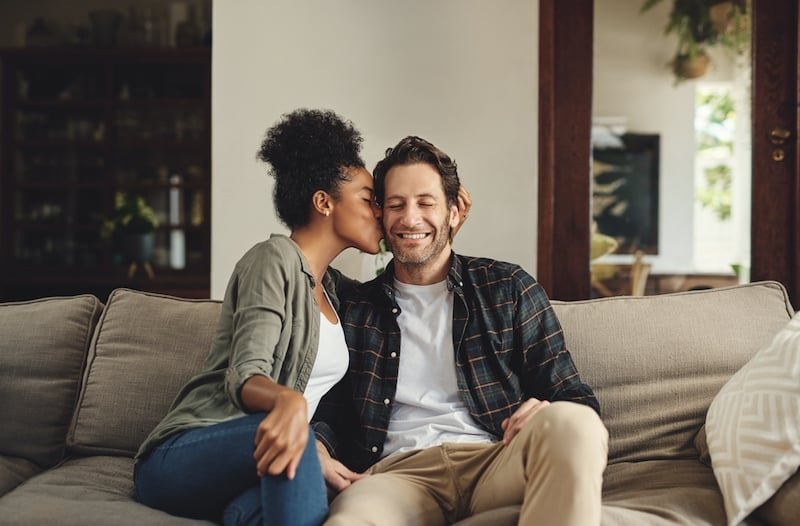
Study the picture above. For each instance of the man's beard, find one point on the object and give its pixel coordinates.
(421, 256)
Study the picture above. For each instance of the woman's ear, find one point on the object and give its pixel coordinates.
(322, 203)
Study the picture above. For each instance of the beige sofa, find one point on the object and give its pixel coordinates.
(82, 384)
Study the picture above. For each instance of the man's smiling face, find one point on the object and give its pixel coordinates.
(416, 218)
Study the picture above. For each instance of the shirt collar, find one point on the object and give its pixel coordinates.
(454, 280)
(304, 265)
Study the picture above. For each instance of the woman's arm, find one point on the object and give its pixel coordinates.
(281, 436)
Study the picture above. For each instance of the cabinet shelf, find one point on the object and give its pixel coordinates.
(136, 104)
(55, 185)
(80, 125)
(66, 104)
(60, 144)
(29, 225)
(163, 145)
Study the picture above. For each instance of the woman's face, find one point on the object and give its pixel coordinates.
(355, 214)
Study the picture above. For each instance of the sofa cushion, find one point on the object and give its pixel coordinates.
(657, 492)
(83, 492)
(42, 353)
(753, 425)
(145, 348)
(15, 471)
(782, 509)
(656, 362)
(661, 492)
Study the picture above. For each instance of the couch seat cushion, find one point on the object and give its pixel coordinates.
(15, 471)
(650, 493)
(82, 492)
(42, 352)
(145, 348)
(656, 362)
(656, 492)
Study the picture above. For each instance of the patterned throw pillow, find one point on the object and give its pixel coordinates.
(753, 425)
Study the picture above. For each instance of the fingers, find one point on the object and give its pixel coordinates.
(337, 476)
(281, 455)
(521, 416)
(279, 446)
(464, 203)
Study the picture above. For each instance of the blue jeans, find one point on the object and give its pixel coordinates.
(209, 473)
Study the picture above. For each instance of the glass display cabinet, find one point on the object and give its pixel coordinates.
(84, 131)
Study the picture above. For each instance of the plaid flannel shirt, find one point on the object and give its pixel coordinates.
(508, 347)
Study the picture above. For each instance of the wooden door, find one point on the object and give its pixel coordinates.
(775, 241)
(565, 70)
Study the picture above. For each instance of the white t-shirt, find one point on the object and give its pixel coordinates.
(427, 409)
(330, 365)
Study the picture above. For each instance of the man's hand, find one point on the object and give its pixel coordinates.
(282, 436)
(336, 475)
(514, 424)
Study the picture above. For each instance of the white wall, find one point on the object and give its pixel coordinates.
(632, 79)
(461, 73)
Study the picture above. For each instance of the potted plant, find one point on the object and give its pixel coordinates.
(132, 227)
(699, 24)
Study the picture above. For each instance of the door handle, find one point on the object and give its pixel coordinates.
(778, 136)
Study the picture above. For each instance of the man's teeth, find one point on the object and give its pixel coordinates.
(413, 236)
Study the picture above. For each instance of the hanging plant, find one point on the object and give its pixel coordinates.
(700, 24)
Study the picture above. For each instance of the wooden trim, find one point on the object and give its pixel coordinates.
(794, 293)
(565, 100)
(546, 216)
(774, 231)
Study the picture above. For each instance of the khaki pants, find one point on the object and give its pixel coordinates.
(553, 468)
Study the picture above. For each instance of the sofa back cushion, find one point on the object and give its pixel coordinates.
(656, 362)
(43, 347)
(145, 348)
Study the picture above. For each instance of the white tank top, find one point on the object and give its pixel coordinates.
(330, 365)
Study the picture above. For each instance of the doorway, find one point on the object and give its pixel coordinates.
(565, 146)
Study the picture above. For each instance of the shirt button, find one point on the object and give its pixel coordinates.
(460, 283)
(374, 449)
(393, 355)
(394, 310)
(386, 401)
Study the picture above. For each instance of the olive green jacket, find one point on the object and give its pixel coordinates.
(269, 325)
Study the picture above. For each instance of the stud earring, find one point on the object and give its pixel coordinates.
(327, 213)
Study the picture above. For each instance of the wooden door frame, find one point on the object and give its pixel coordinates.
(565, 107)
(565, 118)
(775, 227)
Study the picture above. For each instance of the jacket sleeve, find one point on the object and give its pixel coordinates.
(257, 299)
(548, 370)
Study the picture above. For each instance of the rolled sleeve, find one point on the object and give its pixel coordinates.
(258, 313)
(235, 377)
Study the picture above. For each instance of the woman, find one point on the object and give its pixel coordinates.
(236, 443)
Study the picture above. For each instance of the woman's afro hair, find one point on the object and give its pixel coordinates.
(307, 151)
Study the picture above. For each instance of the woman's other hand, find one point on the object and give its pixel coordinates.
(336, 474)
(464, 206)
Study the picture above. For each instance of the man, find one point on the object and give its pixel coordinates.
(465, 396)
